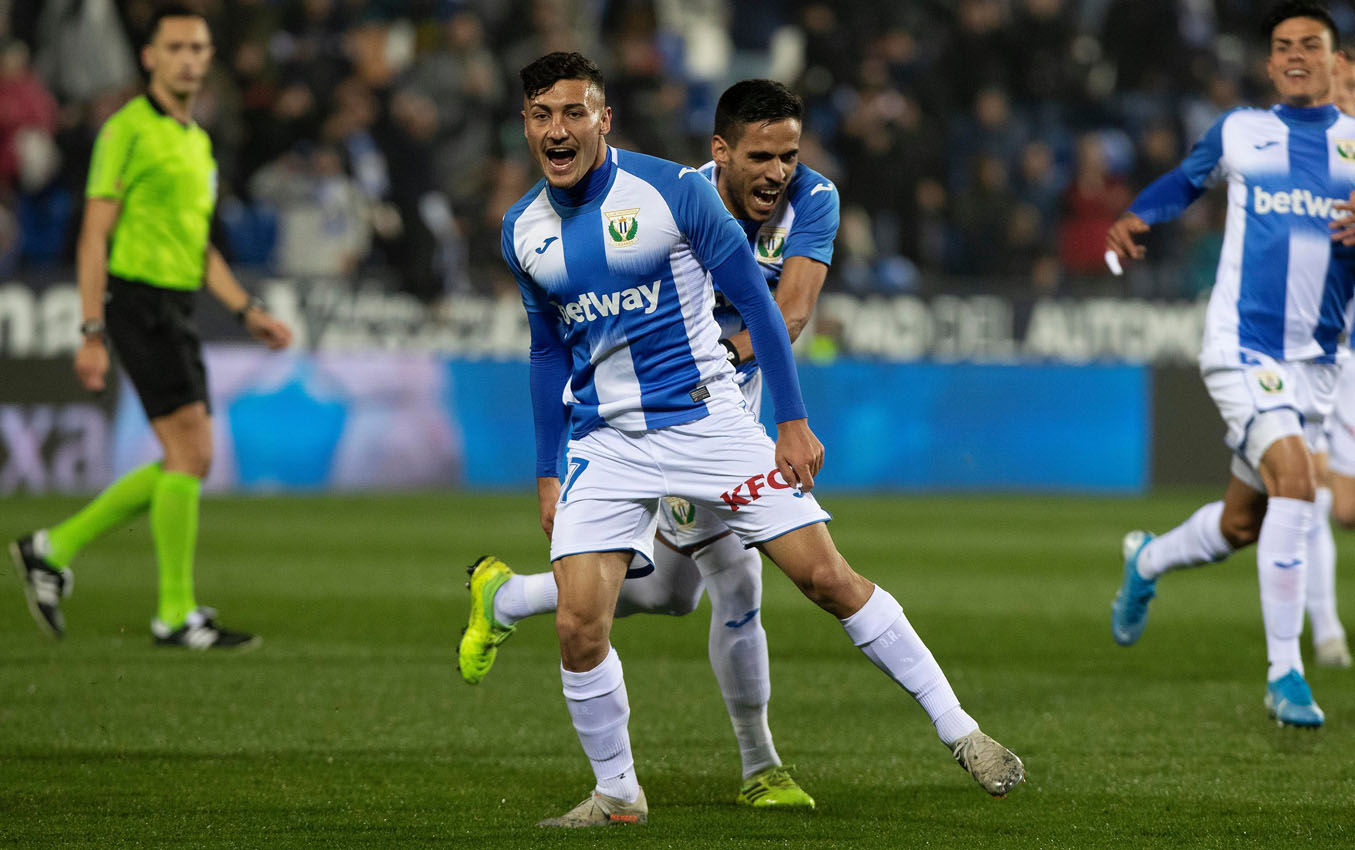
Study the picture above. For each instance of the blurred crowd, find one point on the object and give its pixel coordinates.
(978, 144)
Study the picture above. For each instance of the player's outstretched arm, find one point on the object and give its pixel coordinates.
(1343, 229)
(221, 282)
(1122, 237)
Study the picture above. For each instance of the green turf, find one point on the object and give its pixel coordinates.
(350, 728)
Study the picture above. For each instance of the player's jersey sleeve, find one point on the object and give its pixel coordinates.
(1168, 196)
(108, 168)
(701, 216)
(549, 359)
(816, 221)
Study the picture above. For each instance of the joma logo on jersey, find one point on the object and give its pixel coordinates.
(1295, 202)
(771, 241)
(1345, 148)
(622, 226)
(591, 305)
(735, 498)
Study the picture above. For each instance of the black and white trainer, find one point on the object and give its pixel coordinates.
(44, 584)
(201, 631)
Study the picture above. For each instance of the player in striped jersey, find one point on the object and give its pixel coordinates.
(789, 213)
(1281, 302)
(615, 254)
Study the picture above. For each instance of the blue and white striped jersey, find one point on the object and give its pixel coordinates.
(625, 279)
(804, 224)
(1283, 289)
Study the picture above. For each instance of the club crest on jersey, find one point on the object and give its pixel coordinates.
(622, 226)
(771, 241)
(1270, 381)
(1345, 148)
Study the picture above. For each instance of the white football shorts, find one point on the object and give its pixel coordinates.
(688, 526)
(1341, 425)
(724, 463)
(1263, 400)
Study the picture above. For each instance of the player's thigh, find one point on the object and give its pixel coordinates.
(726, 463)
(608, 497)
(809, 558)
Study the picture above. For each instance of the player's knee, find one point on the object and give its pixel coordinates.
(1240, 531)
(1294, 485)
(682, 604)
(826, 583)
(579, 635)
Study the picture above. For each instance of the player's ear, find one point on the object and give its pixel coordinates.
(605, 125)
(719, 150)
(146, 63)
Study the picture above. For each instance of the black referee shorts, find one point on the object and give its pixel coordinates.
(153, 334)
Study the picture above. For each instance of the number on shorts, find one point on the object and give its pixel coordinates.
(576, 467)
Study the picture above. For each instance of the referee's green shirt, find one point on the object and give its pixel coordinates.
(164, 175)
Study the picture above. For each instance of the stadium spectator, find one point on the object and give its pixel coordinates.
(324, 226)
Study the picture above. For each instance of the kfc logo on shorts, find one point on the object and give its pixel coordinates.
(756, 485)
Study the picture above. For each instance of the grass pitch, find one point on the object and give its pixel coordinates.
(350, 727)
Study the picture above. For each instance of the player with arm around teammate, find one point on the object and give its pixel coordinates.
(626, 355)
(1278, 308)
(143, 252)
(789, 213)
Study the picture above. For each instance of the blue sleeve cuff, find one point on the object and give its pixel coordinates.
(1166, 197)
(741, 281)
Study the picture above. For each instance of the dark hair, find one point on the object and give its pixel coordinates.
(169, 10)
(1286, 9)
(553, 67)
(754, 100)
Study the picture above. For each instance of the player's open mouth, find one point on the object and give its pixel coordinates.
(1296, 73)
(765, 198)
(560, 158)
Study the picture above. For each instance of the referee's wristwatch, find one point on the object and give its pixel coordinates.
(92, 328)
(254, 303)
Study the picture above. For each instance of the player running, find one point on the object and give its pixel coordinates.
(143, 253)
(615, 254)
(789, 213)
(1280, 304)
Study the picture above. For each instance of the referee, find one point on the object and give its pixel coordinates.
(143, 252)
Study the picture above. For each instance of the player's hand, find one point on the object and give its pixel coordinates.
(547, 494)
(799, 454)
(1343, 229)
(91, 363)
(1120, 237)
(272, 332)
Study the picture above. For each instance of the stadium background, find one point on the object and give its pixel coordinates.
(968, 339)
(367, 151)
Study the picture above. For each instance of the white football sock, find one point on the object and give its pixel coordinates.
(738, 645)
(1322, 572)
(884, 634)
(672, 587)
(523, 596)
(1196, 541)
(1281, 561)
(600, 711)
